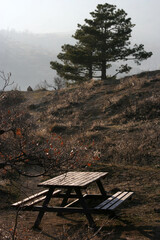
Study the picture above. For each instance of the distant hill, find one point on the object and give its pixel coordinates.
(27, 56)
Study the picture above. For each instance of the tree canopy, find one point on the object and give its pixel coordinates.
(101, 41)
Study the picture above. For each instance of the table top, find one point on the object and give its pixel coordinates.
(73, 179)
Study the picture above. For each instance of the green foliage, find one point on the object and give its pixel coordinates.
(74, 62)
(102, 40)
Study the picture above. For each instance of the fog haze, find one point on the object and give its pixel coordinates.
(32, 33)
(27, 56)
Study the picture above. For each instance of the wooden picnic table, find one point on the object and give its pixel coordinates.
(72, 181)
(70, 185)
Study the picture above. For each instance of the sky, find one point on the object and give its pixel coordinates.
(48, 16)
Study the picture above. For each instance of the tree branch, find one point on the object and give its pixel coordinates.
(6, 79)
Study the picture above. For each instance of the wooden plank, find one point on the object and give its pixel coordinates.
(89, 196)
(108, 205)
(26, 200)
(54, 209)
(34, 201)
(107, 200)
(40, 199)
(66, 179)
(92, 179)
(57, 209)
(83, 179)
(80, 178)
(129, 194)
(96, 196)
(30, 198)
(88, 177)
(74, 179)
(71, 178)
(75, 201)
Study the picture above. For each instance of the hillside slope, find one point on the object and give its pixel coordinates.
(119, 122)
(122, 118)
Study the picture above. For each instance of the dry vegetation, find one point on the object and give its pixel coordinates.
(117, 126)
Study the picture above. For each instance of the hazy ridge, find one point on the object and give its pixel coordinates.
(27, 56)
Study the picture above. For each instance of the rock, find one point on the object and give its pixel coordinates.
(29, 89)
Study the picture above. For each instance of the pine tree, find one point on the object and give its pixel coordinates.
(102, 40)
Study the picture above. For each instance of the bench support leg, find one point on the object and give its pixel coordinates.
(65, 199)
(83, 204)
(101, 188)
(41, 213)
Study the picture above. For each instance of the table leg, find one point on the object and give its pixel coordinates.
(41, 212)
(65, 199)
(83, 203)
(101, 188)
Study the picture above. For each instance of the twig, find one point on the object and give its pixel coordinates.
(15, 225)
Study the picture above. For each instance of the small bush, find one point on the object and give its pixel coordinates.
(9, 99)
(58, 128)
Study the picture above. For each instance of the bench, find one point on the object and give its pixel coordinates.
(110, 203)
(114, 201)
(36, 198)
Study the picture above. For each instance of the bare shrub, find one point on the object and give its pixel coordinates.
(6, 80)
(10, 99)
(145, 110)
(59, 83)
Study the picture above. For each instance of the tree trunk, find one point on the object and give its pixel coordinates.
(90, 66)
(90, 72)
(103, 75)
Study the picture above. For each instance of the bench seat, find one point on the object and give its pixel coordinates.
(36, 198)
(114, 201)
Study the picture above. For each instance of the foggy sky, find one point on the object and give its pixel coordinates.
(62, 16)
(46, 16)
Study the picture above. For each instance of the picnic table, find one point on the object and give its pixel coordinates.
(70, 186)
